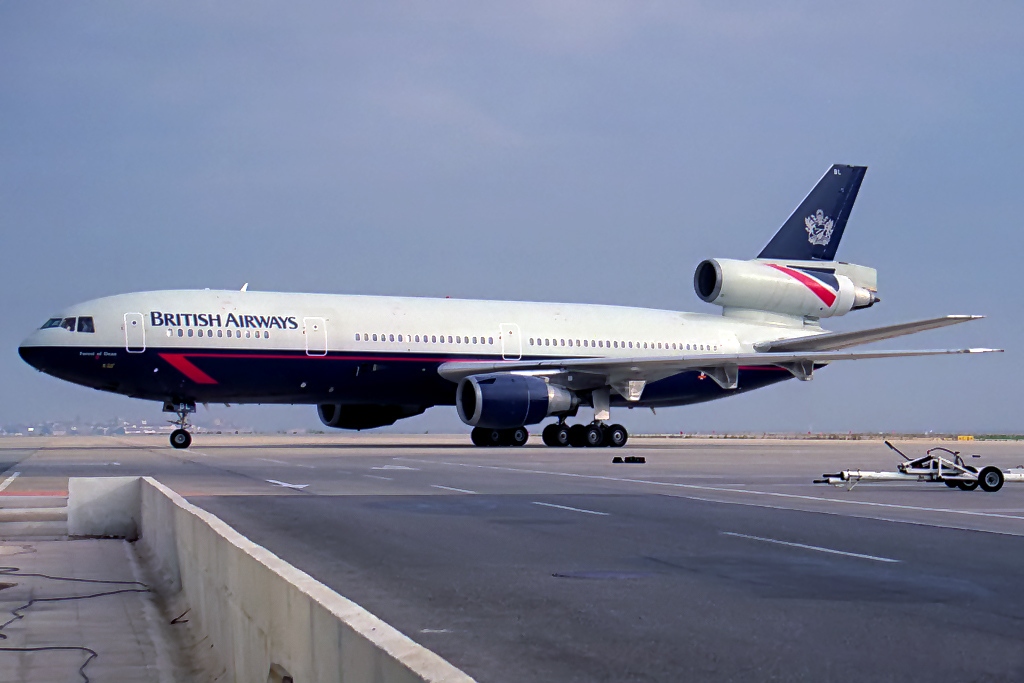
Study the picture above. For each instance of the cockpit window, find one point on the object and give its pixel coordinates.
(68, 324)
(85, 324)
(52, 322)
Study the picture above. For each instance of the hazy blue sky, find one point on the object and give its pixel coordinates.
(554, 150)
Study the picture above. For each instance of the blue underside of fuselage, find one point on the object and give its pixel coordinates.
(266, 376)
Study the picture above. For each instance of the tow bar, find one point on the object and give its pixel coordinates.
(937, 465)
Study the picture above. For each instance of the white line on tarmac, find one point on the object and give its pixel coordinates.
(697, 487)
(9, 480)
(287, 464)
(566, 507)
(374, 476)
(451, 488)
(285, 484)
(804, 546)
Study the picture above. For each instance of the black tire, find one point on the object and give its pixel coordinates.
(990, 479)
(577, 436)
(518, 436)
(561, 436)
(616, 436)
(593, 436)
(968, 485)
(181, 439)
(497, 437)
(479, 436)
(950, 483)
(550, 435)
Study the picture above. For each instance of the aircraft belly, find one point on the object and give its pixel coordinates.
(695, 387)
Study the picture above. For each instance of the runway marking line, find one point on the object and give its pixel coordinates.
(566, 507)
(287, 464)
(452, 488)
(375, 476)
(285, 484)
(804, 546)
(698, 487)
(9, 480)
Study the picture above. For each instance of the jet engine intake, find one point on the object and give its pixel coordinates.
(799, 288)
(506, 401)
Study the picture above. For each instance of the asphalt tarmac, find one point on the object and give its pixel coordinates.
(715, 561)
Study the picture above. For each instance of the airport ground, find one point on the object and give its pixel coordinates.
(717, 560)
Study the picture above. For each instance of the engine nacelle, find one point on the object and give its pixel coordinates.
(363, 416)
(506, 401)
(797, 288)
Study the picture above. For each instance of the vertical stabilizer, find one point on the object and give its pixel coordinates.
(814, 230)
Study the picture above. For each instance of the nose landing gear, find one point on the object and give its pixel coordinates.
(180, 437)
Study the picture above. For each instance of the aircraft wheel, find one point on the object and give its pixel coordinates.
(577, 436)
(549, 435)
(593, 436)
(181, 439)
(518, 436)
(560, 435)
(479, 436)
(616, 436)
(990, 479)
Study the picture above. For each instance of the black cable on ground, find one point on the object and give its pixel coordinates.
(15, 571)
(51, 648)
(18, 612)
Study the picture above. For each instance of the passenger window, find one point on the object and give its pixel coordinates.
(247, 334)
(474, 340)
(190, 331)
(570, 342)
(490, 340)
(68, 324)
(399, 337)
(357, 336)
(181, 332)
(391, 337)
(220, 333)
(458, 340)
(449, 339)
(85, 324)
(374, 337)
(433, 339)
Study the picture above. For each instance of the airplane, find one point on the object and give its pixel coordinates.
(369, 361)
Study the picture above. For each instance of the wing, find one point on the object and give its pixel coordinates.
(627, 376)
(830, 341)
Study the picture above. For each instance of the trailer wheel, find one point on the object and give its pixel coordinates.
(991, 479)
(968, 485)
(950, 483)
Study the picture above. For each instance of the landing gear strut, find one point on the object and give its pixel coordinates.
(180, 437)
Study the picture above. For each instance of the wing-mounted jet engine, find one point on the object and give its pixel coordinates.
(797, 274)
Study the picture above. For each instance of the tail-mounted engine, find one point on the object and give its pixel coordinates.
(817, 289)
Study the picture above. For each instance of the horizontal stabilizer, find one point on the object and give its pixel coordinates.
(840, 340)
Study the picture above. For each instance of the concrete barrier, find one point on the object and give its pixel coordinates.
(103, 506)
(267, 620)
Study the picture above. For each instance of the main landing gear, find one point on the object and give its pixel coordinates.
(180, 437)
(556, 435)
(499, 437)
(593, 435)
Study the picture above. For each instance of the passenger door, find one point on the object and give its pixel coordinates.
(315, 330)
(511, 342)
(134, 333)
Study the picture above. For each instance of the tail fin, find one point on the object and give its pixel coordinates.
(815, 228)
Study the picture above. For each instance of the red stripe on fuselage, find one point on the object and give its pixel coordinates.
(187, 368)
(820, 290)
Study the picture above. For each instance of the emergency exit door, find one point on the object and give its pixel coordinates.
(511, 343)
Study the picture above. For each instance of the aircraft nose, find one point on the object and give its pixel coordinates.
(31, 355)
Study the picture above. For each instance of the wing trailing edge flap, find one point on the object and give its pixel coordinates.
(627, 376)
(833, 341)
